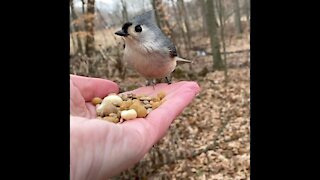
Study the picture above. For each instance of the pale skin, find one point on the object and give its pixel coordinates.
(100, 149)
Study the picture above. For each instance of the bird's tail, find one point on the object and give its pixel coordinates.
(179, 59)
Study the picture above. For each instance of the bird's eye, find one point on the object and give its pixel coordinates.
(138, 28)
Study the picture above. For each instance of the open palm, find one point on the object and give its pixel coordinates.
(100, 149)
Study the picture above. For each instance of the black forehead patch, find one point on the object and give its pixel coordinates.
(126, 26)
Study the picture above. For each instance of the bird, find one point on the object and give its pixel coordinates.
(148, 50)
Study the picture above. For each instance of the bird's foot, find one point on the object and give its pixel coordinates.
(151, 82)
(168, 80)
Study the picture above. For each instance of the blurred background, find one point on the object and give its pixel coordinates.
(211, 138)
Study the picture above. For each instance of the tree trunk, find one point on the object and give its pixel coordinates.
(105, 24)
(204, 17)
(247, 9)
(185, 18)
(221, 13)
(237, 17)
(247, 12)
(76, 28)
(162, 18)
(73, 41)
(90, 48)
(163, 22)
(212, 31)
(179, 21)
(185, 22)
(124, 11)
(155, 7)
(83, 4)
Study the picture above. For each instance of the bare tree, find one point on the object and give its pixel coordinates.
(247, 12)
(212, 31)
(222, 25)
(179, 20)
(162, 20)
(155, 5)
(204, 17)
(101, 17)
(124, 11)
(162, 17)
(104, 23)
(237, 17)
(89, 23)
(73, 42)
(76, 27)
(185, 17)
(185, 22)
(83, 6)
(247, 9)
(181, 31)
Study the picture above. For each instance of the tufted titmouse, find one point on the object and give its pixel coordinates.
(147, 49)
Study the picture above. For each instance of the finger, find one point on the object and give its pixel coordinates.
(92, 110)
(158, 121)
(77, 103)
(93, 87)
(162, 117)
(152, 91)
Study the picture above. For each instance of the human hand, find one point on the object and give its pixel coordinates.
(100, 149)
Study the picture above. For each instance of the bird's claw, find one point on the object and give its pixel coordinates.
(168, 80)
(151, 82)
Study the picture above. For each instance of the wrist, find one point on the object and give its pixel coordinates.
(78, 155)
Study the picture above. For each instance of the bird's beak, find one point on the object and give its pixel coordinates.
(121, 33)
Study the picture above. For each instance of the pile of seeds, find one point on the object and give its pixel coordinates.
(118, 108)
